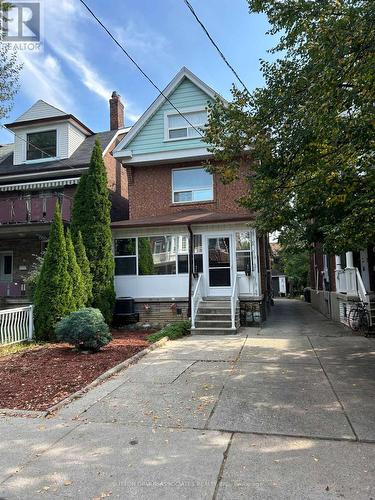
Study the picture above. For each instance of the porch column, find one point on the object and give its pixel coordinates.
(338, 262)
(339, 275)
(350, 272)
(349, 260)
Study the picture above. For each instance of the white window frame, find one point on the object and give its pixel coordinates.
(175, 250)
(2, 275)
(127, 256)
(49, 158)
(184, 111)
(196, 189)
(247, 250)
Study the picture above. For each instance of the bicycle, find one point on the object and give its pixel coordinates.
(359, 319)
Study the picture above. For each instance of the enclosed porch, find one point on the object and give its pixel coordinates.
(171, 272)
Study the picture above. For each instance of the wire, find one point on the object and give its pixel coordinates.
(190, 7)
(136, 64)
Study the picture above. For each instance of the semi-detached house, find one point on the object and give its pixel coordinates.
(183, 245)
(51, 150)
(188, 247)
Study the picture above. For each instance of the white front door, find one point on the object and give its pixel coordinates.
(219, 265)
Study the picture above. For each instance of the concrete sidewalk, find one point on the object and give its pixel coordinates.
(257, 415)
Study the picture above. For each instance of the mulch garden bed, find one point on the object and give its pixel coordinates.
(38, 378)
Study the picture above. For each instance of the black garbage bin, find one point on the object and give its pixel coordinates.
(307, 294)
(124, 312)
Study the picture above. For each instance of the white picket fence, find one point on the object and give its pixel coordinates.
(16, 325)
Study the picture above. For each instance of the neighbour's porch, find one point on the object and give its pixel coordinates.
(355, 283)
(24, 227)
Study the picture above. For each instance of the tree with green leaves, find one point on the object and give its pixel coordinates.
(79, 294)
(310, 129)
(53, 294)
(9, 67)
(145, 259)
(91, 216)
(84, 265)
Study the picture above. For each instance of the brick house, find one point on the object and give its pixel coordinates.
(51, 150)
(188, 247)
(338, 282)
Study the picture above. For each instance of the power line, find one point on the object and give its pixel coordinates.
(190, 7)
(136, 64)
(27, 141)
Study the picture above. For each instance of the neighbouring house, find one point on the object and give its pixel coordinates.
(51, 150)
(338, 282)
(280, 286)
(188, 248)
(279, 281)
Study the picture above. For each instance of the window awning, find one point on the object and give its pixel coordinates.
(30, 186)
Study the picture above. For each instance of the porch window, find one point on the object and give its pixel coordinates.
(156, 255)
(198, 254)
(182, 254)
(192, 185)
(41, 145)
(244, 252)
(125, 256)
(177, 128)
(6, 267)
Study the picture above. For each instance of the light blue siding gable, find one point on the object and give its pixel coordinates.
(150, 139)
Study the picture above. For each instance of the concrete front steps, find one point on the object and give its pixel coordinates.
(214, 317)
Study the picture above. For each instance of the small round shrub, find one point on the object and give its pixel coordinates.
(85, 329)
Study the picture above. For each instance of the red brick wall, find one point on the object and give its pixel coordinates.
(150, 192)
(117, 185)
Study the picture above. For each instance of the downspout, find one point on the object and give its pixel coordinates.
(190, 268)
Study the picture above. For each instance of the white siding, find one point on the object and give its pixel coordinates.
(21, 137)
(176, 286)
(40, 110)
(75, 138)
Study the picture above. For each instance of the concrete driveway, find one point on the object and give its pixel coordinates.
(286, 411)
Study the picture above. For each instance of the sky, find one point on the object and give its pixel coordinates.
(80, 65)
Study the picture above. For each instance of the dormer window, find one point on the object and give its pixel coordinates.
(177, 128)
(41, 145)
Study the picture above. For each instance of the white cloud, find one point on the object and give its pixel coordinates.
(67, 45)
(42, 78)
(146, 42)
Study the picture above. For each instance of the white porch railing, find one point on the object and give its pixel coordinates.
(361, 289)
(349, 281)
(195, 299)
(16, 325)
(233, 301)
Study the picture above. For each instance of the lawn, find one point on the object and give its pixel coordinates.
(37, 376)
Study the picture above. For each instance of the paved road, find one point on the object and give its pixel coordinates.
(286, 411)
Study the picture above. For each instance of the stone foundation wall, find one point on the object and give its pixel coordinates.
(161, 312)
(252, 312)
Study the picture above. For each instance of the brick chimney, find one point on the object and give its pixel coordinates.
(116, 111)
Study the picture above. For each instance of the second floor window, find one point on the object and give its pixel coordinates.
(41, 145)
(179, 128)
(192, 184)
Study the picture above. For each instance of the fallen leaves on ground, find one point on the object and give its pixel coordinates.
(36, 379)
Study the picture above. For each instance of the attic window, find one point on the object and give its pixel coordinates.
(179, 128)
(41, 145)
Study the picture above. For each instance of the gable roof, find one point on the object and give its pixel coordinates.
(79, 159)
(40, 109)
(161, 99)
(41, 112)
